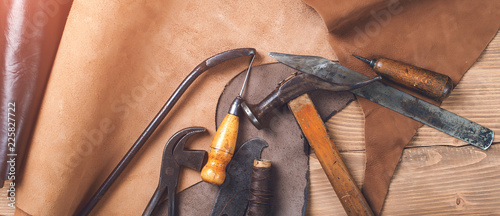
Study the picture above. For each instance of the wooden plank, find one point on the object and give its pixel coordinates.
(5, 209)
(322, 199)
(438, 174)
(442, 180)
(436, 180)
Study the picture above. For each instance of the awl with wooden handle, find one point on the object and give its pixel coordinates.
(433, 85)
(224, 142)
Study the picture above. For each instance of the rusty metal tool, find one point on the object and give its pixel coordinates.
(293, 92)
(175, 156)
(396, 100)
(233, 193)
(224, 142)
(433, 85)
(197, 71)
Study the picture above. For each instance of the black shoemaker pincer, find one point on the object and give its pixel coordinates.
(174, 156)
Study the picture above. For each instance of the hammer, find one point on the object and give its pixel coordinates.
(293, 91)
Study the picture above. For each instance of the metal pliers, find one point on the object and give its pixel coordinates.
(174, 156)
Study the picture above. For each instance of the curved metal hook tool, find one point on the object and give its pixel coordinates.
(174, 156)
(198, 70)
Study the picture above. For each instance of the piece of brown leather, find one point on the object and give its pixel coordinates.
(287, 149)
(117, 64)
(443, 36)
(31, 31)
(20, 212)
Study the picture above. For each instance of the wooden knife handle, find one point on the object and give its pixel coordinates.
(341, 180)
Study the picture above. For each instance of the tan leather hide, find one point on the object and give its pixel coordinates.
(117, 64)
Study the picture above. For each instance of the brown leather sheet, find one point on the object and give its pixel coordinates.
(443, 36)
(31, 31)
(287, 149)
(117, 64)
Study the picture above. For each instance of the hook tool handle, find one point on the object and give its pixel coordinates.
(197, 71)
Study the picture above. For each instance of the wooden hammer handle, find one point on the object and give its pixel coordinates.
(341, 180)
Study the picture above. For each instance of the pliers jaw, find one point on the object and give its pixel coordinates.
(174, 156)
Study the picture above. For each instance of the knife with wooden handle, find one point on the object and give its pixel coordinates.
(394, 99)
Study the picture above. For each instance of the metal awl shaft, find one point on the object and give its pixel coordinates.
(224, 142)
(246, 77)
(367, 61)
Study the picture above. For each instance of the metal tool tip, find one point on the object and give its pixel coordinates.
(272, 54)
(362, 59)
(246, 77)
(281, 56)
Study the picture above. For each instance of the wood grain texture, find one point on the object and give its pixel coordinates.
(438, 174)
(5, 209)
(328, 156)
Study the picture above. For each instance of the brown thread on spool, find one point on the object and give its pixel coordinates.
(259, 200)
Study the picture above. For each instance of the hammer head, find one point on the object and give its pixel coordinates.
(249, 110)
(291, 88)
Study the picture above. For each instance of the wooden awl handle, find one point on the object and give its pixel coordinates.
(222, 147)
(433, 85)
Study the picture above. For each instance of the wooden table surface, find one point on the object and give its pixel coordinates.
(437, 174)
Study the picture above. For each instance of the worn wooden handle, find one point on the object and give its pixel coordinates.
(221, 150)
(434, 85)
(341, 180)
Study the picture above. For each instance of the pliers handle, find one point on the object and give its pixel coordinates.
(174, 156)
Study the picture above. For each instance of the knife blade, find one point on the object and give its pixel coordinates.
(391, 98)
